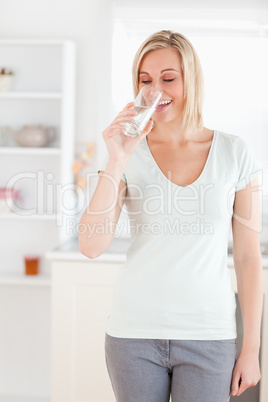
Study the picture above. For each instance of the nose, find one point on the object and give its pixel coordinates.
(154, 94)
(158, 87)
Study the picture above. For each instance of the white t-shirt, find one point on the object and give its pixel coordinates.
(175, 282)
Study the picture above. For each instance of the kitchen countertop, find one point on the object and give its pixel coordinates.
(70, 251)
(117, 252)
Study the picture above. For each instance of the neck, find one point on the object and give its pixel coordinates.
(173, 133)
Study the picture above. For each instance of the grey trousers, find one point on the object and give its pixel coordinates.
(152, 370)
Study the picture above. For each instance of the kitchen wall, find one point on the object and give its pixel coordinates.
(89, 23)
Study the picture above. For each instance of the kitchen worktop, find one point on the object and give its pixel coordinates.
(70, 251)
(117, 252)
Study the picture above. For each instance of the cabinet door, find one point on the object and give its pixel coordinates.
(81, 299)
(260, 391)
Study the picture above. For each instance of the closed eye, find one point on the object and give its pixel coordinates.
(148, 81)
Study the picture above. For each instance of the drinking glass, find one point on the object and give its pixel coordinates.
(145, 105)
(31, 264)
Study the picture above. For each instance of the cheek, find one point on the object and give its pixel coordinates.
(179, 90)
(140, 86)
(182, 89)
(175, 91)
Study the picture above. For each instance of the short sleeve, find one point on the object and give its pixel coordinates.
(248, 166)
(103, 164)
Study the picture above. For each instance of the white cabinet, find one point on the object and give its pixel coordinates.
(42, 93)
(81, 299)
(264, 335)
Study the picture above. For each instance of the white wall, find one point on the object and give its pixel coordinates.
(253, 11)
(197, 4)
(89, 23)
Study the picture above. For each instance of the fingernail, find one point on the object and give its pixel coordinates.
(233, 392)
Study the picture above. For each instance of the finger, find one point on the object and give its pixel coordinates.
(235, 383)
(129, 105)
(127, 112)
(241, 389)
(147, 128)
(111, 130)
(121, 119)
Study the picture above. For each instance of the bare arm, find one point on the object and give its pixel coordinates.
(98, 222)
(248, 261)
(248, 267)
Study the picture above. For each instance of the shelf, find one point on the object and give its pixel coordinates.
(16, 398)
(16, 278)
(29, 151)
(14, 216)
(31, 95)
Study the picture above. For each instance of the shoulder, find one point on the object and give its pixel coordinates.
(225, 151)
(233, 145)
(244, 159)
(235, 152)
(232, 140)
(227, 139)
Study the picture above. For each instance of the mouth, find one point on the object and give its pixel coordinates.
(163, 105)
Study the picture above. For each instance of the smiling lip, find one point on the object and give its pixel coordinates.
(161, 108)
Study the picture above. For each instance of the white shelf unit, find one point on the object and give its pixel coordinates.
(13, 216)
(30, 151)
(42, 93)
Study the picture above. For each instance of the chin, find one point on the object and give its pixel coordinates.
(163, 119)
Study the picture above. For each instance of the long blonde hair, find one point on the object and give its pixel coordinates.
(191, 70)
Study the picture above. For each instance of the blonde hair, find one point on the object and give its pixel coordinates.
(191, 71)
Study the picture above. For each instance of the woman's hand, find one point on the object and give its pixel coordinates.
(118, 144)
(246, 372)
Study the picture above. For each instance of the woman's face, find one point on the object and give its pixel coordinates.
(162, 69)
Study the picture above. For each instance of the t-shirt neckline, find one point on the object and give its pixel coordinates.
(201, 174)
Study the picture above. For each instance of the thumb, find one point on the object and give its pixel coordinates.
(235, 383)
(147, 129)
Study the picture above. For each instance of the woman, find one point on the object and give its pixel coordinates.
(172, 328)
